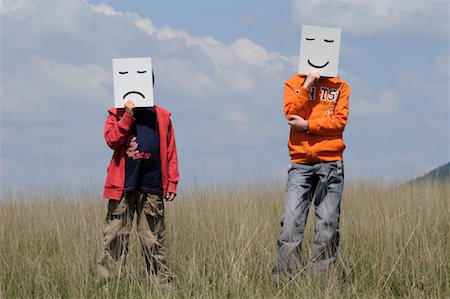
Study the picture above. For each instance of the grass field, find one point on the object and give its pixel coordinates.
(221, 244)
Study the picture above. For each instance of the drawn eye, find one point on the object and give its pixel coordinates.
(123, 73)
(141, 72)
(328, 40)
(310, 38)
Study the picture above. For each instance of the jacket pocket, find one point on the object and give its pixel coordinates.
(328, 145)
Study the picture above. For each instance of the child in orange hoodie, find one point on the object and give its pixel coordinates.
(317, 110)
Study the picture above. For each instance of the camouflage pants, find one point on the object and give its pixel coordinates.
(150, 228)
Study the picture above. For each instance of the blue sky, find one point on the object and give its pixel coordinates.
(220, 68)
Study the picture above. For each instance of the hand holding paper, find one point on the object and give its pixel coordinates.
(129, 106)
(312, 76)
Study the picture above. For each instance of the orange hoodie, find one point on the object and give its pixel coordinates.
(325, 107)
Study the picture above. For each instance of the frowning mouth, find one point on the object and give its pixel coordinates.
(318, 66)
(136, 92)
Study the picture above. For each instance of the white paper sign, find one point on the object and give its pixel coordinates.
(319, 50)
(133, 80)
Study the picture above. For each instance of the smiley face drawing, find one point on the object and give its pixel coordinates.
(319, 50)
(133, 81)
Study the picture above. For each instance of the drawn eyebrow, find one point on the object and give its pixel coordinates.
(328, 40)
(310, 38)
(141, 72)
(123, 73)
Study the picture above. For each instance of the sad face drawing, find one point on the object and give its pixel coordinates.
(133, 81)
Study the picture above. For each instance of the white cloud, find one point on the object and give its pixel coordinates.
(57, 87)
(386, 102)
(253, 17)
(252, 53)
(441, 65)
(226, 59)
(366, 101)
(104, 8)
(437, 126)
(426, 18)
(226, 99)
(16, 6)
(428, 83)
(43, 87)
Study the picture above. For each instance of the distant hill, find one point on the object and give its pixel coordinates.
(440, 173)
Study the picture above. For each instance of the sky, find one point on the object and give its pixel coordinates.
(220, 68)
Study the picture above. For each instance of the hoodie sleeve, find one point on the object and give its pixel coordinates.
(116, 130)
(296, 98)
(173, 175)
(334, 125)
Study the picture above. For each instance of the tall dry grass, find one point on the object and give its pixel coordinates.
(221, 244)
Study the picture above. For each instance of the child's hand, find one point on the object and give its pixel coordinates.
(298, 123)
(312, 77)
(129, 106)
(170, 196)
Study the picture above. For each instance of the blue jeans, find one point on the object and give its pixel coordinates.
(321, 183)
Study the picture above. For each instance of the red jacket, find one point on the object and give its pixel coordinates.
(117, 126)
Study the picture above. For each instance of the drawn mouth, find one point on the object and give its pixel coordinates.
(318, 66)
(136, 92)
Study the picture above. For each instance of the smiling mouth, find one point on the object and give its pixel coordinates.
(130, 92)
(318, 66)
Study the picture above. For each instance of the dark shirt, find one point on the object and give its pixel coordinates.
(142, 163)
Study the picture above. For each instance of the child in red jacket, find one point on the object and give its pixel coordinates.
(142, 173)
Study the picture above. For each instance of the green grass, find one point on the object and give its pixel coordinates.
(221, 244)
